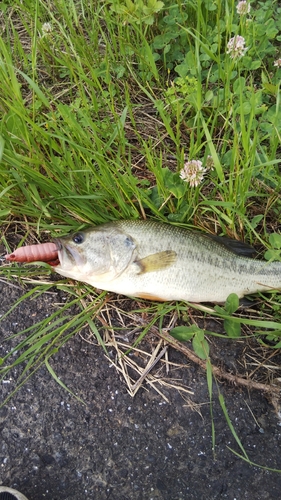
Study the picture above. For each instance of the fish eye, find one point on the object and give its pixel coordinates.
(78, 238)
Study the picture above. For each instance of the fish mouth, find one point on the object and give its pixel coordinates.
(68, 256)
(56, 260)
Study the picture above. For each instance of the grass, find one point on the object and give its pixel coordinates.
(101, 104)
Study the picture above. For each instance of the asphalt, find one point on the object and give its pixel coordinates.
(117, 447)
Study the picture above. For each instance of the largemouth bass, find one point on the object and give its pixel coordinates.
(162, 262)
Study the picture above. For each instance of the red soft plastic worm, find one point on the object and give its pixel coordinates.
(44, 252)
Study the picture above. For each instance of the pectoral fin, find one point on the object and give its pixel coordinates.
(156, 261)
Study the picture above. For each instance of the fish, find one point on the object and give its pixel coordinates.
(163, 262)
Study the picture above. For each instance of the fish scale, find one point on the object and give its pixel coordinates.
(162, 262)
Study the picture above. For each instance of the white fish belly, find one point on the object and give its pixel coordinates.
(212, 285)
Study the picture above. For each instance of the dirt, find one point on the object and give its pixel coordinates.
(120, 448)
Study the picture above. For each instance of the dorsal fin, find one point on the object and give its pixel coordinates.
(235, 246)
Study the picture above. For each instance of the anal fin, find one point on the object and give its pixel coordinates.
(149, 296)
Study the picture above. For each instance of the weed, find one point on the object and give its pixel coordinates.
(102, 105)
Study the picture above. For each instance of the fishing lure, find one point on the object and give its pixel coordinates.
(43, 252)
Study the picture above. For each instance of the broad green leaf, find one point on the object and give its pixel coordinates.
(231, 303)
(255, 64)
(275, 240)
(232, 329)
(239, 85)
(200, 346)
(184, 332)
(220, 310)
(272, 254)
(270, 88)
(256, 220)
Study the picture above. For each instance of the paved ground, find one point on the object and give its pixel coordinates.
(119, 448)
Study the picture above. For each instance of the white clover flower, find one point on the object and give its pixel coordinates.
(236, 47)
(46, 28)
(243, 7)
(193, 172)
(277, 63)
